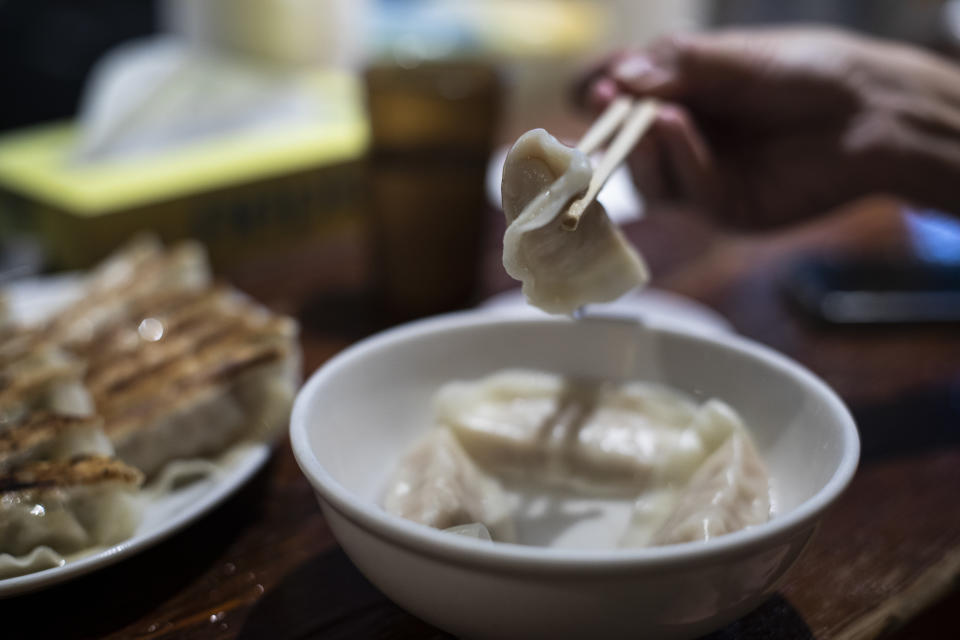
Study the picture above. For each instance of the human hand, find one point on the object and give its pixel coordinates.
(766, 127)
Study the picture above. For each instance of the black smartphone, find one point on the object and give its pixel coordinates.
(859, 291)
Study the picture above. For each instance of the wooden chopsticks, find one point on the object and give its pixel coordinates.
(630, 119)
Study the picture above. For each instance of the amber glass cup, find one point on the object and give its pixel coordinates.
(433, 129)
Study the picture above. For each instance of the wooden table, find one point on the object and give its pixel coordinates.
(264, 565)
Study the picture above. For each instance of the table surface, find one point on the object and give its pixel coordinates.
(886, 560)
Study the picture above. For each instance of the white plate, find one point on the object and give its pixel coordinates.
(163, 515)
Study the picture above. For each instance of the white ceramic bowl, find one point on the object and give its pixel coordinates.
(361, 411)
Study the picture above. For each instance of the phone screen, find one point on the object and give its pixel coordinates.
(849, 291)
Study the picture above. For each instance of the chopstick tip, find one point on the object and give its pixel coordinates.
(569, 221)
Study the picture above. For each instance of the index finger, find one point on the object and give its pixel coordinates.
(596, 87)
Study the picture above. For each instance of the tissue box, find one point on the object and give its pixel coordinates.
(246, 197)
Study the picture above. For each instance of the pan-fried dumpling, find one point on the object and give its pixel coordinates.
(176, 368)
(49, 436)
(599, 437)
(560, 270)
(437, 484)
(218, 370)
(44, 377)
(66, 506)
(153, 364)
(141, 269)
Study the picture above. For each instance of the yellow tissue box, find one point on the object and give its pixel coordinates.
(245, 196)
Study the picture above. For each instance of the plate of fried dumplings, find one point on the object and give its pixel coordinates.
(133, 399)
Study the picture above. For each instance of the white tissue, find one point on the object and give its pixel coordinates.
(164, 93)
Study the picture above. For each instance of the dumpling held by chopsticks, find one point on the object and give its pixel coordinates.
(561, 270)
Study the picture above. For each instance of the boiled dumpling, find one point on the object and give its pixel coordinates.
(437, 484)
(474, 530)
(560, 270)
(728, 493)
(689, 468)
(600, 437)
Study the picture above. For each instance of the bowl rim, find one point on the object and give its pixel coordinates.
(463, 550)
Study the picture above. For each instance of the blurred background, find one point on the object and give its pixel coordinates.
(326, 149)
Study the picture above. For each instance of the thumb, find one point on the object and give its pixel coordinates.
(654, 71)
